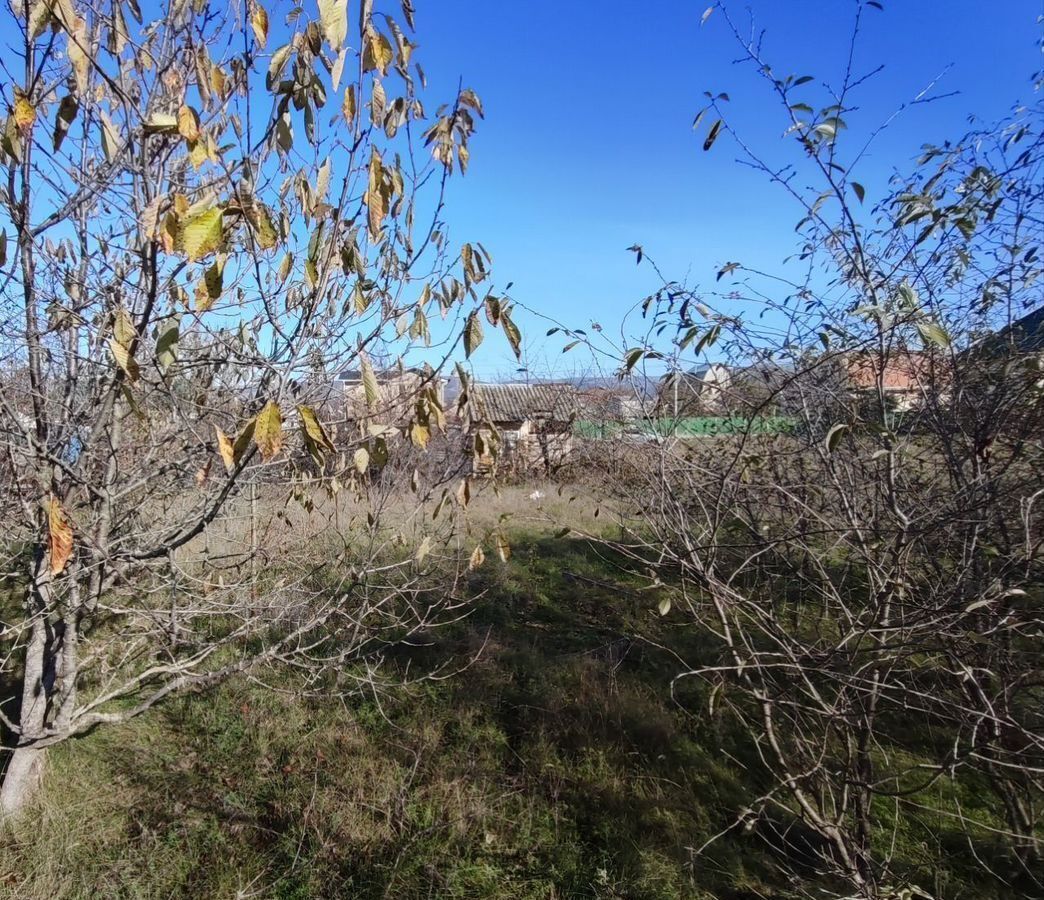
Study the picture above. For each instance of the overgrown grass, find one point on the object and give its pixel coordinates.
(555, 766)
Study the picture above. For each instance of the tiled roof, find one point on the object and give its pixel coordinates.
(518, 402)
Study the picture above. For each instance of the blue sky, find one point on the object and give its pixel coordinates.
(587, 146)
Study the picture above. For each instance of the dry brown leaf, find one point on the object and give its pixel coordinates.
(60, 536)
(228, 455)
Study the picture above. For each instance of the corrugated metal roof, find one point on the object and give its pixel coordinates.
(518, 402)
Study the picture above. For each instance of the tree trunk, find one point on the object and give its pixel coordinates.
(24, 773)
(22, 781)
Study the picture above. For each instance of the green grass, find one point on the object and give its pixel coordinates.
(555, 766)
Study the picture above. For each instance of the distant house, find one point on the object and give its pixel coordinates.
(616, 405)
(765, 387)
(397, 393)
(699, 392)
(522, 427)
(905, 377)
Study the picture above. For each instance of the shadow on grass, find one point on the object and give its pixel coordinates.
(556, 766)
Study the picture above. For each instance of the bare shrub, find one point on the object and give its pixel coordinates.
(871, 574)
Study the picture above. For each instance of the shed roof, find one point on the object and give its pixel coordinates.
(518, 402)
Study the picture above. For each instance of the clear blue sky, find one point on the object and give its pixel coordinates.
(587, 146)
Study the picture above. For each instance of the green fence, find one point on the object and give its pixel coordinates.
(701, 426)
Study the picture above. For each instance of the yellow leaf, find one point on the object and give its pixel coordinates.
(24, 111)
(12, 140)
(169, 232)
(362, 460)
(469, 98)
(348, 106)
(150, 218)
(420, 435)
(124, 360)
(262, 226)
(203, 64)
(322, 182)
(514, 336)
(370, 388)
(378, 101)
(268, 431)
(118, 37)
(285, 266)
(202, 233)
(225, 449)
(110, 138)
(477, 558)
(313, 430)
(39, 17)
(64, 13)
(467, 259)
(472, 333)
(161, 123)
(333, 14)
(503, 547)
(360, 299)
(77, 52)
(377, 51)
(217, 80)
(259, 22)
(277, 62)
(60, 536)
(419, 328)
(188, 124)
(199, 153)
(423, 550)
(338, 68)
(375, 194)
(123, 329)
